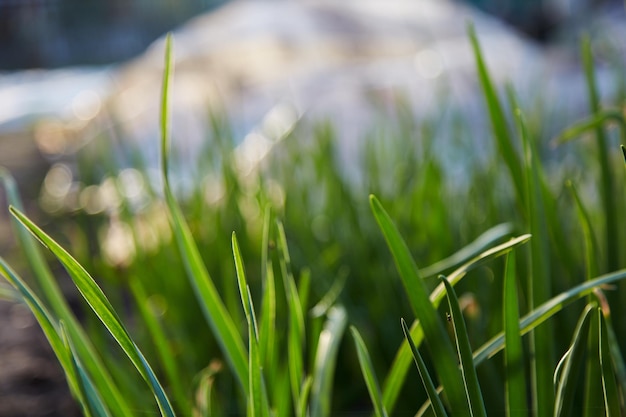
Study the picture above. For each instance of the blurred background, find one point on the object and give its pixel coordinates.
(55, 33)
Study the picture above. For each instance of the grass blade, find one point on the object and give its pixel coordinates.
(295, 337)
(215, 312)
(103, 309)
(257, 400)
(397, 374)
(368, 373)
(516, 400)
(609, 386)
(498, 119)
(325, 360)
(435, 333)
(472, 387)
(572, 366)
(539, 282)
(606, 185)
(303, 401)
(591, 244)
(473, 249)
(437, 406)
(88, 397)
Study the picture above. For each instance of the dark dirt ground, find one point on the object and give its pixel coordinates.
(32, 383)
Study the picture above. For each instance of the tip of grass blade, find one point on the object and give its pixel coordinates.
(623, 152)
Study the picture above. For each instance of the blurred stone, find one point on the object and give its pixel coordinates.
(249, 60)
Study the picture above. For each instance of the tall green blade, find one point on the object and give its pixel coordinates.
(296, 335)
(539, 282)
(215, 312)
(103, 309)
(464, 349)
(368, 373)
(606, 185)
(498, 119)
(516, 400)
(436, 337)
(257, 401)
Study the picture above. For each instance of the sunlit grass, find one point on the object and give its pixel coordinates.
(234, 297)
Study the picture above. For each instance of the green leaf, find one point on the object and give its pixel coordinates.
(464, 350)
(103, 309)
(368, 373)
(573, 363)
(215, 312)
(436, 337)
(433, 395)
(516, 404)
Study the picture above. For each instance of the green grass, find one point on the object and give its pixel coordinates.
(237, 302)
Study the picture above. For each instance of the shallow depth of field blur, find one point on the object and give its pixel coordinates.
(287, 116)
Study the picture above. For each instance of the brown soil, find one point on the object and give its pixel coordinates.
(32, 383)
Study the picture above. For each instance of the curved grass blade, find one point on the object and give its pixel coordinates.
(516, 404)
(397, 374)
(572, 366)
(473, 249)
(437, 406)
(103, 309)
(325, 360)
(331, 296)
(215, 312)
(470, 379)
(584, 126)
(609, 386)
(436, 337)
(368, 373)
(54, 296)
(547, 310)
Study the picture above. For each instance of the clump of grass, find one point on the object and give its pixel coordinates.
(200, 314)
